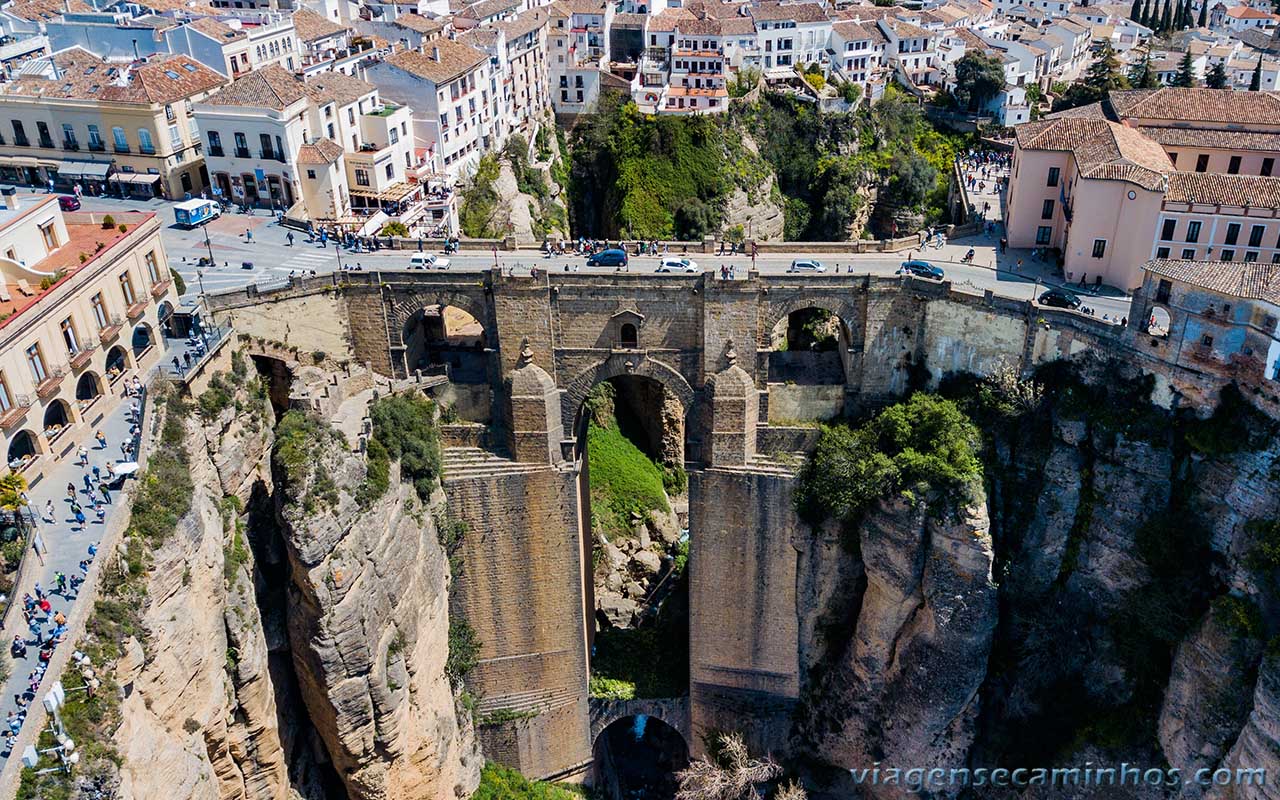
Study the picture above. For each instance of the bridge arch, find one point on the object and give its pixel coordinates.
(778, 310)
(407, 332)
(403, 307)
(639, 745)
(674, 711)
(619, 365)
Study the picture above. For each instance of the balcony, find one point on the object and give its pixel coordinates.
(147, 151)
(81, 359)
(160, 289)
(21, 141)
(97, 147)
(16, 413)
(215, 152)
(272, 155)
(70, 144)
(49, 386)
(109, 333)
(242, 152)
(121, 148)
(136, 310)
(46, 142)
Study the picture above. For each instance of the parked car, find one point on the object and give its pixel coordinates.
(806, 265)
(1060, 298)
(676, 264)
(68, 203)
(608, 258)
(427, 261)
(923, 269)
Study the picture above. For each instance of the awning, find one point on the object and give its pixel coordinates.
(134, 177)
(18, 161)
(84, 169)
(393, 193)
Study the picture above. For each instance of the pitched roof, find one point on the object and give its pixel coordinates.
(216, 30)
(524, 23)
(321, 151)
(455, 59)
(798, 12)
(665, 20)
(1248, 280)
(37, 10)
(857, 31)
(84, 76)
(1103, 150)
(485, 9)
(1251, 191)
(311, 27)
(1204, 137)
(419, 23)
(905, 30)
(339, 87)
(1248, 12)
(1198, 105)
(271, 87)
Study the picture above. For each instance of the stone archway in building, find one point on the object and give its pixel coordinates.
(447, 339)
(117, 360)
(142, 338)
(23, 447)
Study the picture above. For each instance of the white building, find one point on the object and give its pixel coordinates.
(791, 34)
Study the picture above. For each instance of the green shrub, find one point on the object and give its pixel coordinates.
(404, 428)
(1266, 553)
(611, 688)
(1240, 614)
(108, 222)
(464, 650)
(502, 783)
(179, 285)
(13, 553)
(395, 228)
(925, 440)
(217, 398)
(674, 479)
(1235, 426)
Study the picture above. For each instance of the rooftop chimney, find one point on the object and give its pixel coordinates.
(10, 195)
(435, 54)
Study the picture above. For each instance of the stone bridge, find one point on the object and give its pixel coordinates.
(524, 353)
(674, 711)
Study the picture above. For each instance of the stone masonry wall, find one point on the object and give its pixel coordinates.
(520, 588)
(744, 670)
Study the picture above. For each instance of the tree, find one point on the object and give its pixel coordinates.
(1203, 21)
(979, 77)
(1216, 78)
(1141, 76)
(913, 178)
(1146, 15)
(1103, 74)
(730, 773)
(1186, 76)
(1255, 83)
(11, 488)
(1135, 13)
(1166, 17)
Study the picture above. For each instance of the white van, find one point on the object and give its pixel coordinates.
(427, 261)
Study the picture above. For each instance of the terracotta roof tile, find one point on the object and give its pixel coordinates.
(311, 27)
(1252, 191)
(84, 76)
(271, 87)
(1103, 150)
(337, 87)
(1198, 105)
(1248, 280)
(419, 23)
(454, 60)
(321, 151)
(1203, 137)
(218, 31)
(524, 23)
(798, 12)
(44, 10)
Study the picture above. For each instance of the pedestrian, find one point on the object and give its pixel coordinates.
(248, 236)
(101, 512)
(48, 512)
(289, 238)
(1084, 277)
(88, 484)
(80, 519)
(83, 452)
(39, 590)
(102, 440)
(60, 580)
(186, 358)
(71, 491)
(1018, 268)
(177, 366)
(106, 493)
(97, 474)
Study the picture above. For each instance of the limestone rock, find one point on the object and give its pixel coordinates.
(634, 590)
(666, 527)
(648, 562)
(619, 611)
(1258, 746)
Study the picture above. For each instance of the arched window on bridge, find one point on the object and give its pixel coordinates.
(448, 340)
(628, 337)
(640, 755)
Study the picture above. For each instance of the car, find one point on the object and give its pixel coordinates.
(68, 203)
(427, 261)
(608, 258)
(1060, 298)
(675, 264)
(922, 269)
(806, 265)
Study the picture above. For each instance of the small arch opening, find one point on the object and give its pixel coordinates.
(56, 417)
(117, 361)
(164, 312)
(142, 338)
(444, 338)
(1159, 322)
(22, 449)
(628, 337)
(638, 757)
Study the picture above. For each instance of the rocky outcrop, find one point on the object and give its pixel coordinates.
(200, 720)
(1258, 746)
(905, 690)
(632, 567)
(369, 627)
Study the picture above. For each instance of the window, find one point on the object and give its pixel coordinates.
(1228, 255)
(1043, 234)
(628, 337)
(126, 288)
(391, 171)
(362, 177)
(1168, 229)
(215, 143)
(393, 135)
(99, 310)
(1162, 252)
(1188, 254)
(1255, 235)
(1163, 290)
(1252, 255)
(1233, 166)
(153, 270)
(1206, 340)
(42, 130)
(121, 143)
(6, 401)
(351, 116)
(265, 141)
(50, 235)
(1046, 210)
(242, 145)
(1202, 162)
(1173, 159)
(69, 336)
(36, 363)
(144, 141)
(311, 174)
(19, 134)
(69, 136)
(175, 137)
(1193, 231)
(1099, 248)
(1268, 164)
(1233, 233)
(1053, 176)
(95, 138)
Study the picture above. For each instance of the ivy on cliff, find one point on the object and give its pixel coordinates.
(924, 440)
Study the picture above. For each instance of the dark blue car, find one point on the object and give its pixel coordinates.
(608, 258)
(922, 269)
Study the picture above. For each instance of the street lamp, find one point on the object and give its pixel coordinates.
(208, 245)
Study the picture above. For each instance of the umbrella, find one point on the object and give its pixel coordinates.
(126, 468)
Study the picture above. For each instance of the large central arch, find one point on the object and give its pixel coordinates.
(624, 364)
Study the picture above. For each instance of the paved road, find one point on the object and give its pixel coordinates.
(273, 259)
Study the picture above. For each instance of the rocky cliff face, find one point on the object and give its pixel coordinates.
(202, 720)
(369, 628)
(1111, 599)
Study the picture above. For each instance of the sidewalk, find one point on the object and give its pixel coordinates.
(67, 543)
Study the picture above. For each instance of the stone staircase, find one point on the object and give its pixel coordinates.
(463, 463)
(534, 702)
(781, 464)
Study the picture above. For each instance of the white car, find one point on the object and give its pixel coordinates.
(806, 265)
(427, 261)
(675, 264)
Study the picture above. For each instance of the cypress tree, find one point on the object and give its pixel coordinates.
(1203, 22)
(1146, 15)
(1135, 13)
(1166, 17)
(1255, 83)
